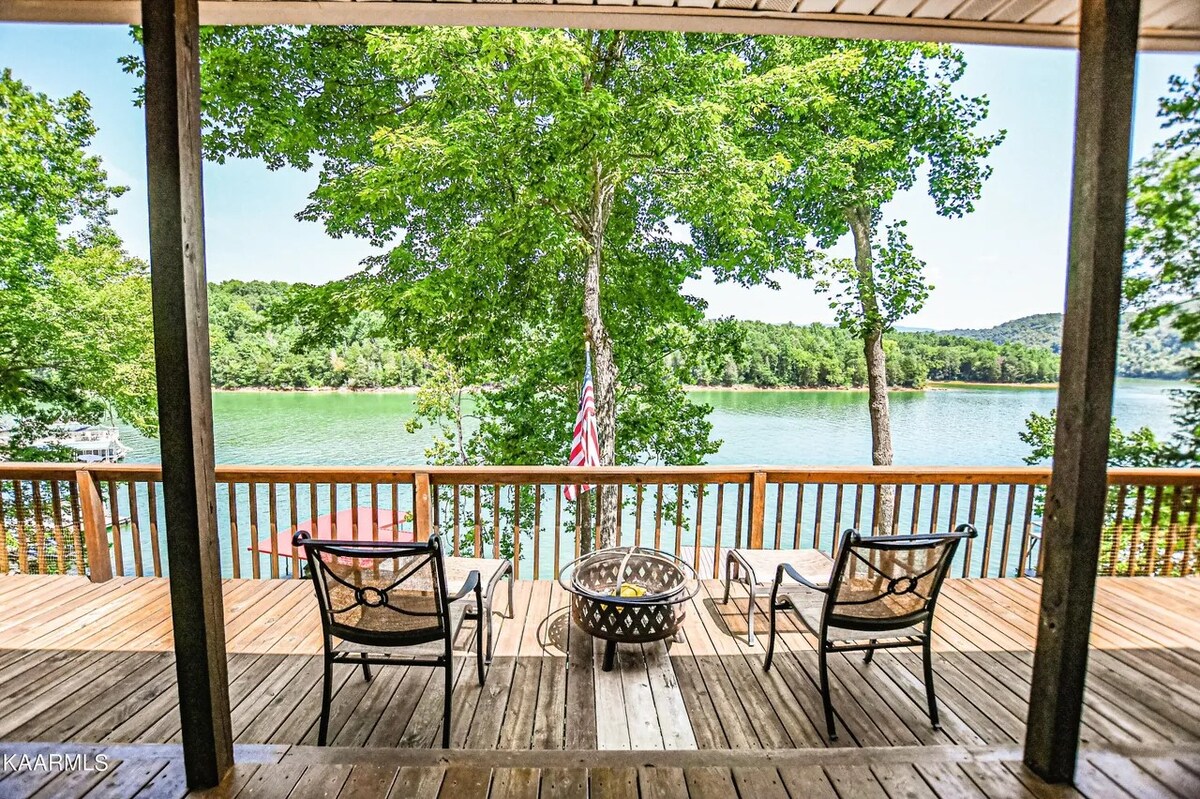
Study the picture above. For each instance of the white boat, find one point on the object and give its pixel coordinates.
(91, 443)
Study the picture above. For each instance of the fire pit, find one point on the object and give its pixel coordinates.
(628, 595)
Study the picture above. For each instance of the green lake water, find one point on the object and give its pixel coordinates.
(948, 426)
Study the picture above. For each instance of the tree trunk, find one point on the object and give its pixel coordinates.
(604, 367)
(861, 222)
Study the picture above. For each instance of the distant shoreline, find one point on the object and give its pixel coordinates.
(932, 385)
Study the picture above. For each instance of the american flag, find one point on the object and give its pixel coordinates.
(585, 445)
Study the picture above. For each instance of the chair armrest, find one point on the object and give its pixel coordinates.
(469, 585)
(790, 571)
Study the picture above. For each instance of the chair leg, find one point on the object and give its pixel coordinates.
(511, 608)
(770, 641)
(929, 692)
(489, 634)
(728, 576)
(479, 637)
(326, 698)
(823, 668)
(366, 667)
(446, 701)
(870, 652)
(753, 606)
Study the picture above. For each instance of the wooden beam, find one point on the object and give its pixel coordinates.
(180, 304)
(1075, 501)
(95, 532)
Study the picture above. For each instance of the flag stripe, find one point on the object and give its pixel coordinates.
(585, 443)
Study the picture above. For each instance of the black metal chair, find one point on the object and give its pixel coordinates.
(376, 597)
(881, 595)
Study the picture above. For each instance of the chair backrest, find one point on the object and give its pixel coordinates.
(379, 593)
(888, 582)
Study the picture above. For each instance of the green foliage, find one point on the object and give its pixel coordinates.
(1163, 246)
(1137, 448)
(818, 356)
(1156, 351)
(75, 326)
(252, 348)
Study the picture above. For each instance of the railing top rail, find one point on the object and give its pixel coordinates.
(607, 475)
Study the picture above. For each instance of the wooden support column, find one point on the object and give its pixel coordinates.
(180, 296)
(95, 531)
(1075, 501)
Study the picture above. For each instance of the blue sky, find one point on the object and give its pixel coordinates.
(1006, 260)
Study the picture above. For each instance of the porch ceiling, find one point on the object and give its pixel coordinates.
(1166, 24)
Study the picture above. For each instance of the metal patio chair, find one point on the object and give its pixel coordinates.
(378, 598)
(882, 595)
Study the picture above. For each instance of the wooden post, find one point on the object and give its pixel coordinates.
(422, 510)
(758, 509)
(95, 532)
(1075, 501)
(180, 305)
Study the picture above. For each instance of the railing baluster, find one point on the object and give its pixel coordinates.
(988, 539)
(838, 499)
(255, 566)
(375, 509)
(699, 525)
(76, 530)
(537, 531)
(516, 548)
(876, 504)
(658, 509)
(57, 515)
(678, 519)
(39, 526)
(152, 507)
(333, 512)
(935, 508)
(819, 515)
(916, 509)
(637, 522)
(1026, 530)
(1172, 531)
(135, 531)
(1189, 544)
(897, 501)
(477, 545)
(779, 516)
(799, 515)
(114, 508)
(620, 509)
(294, 514)
(1008, 522)
(1152, 545)
(354, 511)
(858, 506)
(456, 495)
(720, 522)
(558, 499)
(973, 503)
(235, 553)
(741, 504)
(1135, 547)
(496, 521)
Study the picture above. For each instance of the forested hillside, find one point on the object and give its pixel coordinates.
(1153, 353)
(249, 350)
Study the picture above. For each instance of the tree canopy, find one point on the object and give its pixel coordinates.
(75, 330)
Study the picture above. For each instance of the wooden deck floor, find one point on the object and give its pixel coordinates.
(92, 664)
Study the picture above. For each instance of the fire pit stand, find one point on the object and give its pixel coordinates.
(595, 579)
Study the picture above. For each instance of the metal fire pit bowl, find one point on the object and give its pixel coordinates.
(593, 581)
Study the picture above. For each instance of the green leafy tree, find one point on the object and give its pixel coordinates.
(75, 329)
(878, 128)
(1163, 246)
(526, 185)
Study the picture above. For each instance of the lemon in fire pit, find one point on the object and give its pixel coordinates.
(630, 590)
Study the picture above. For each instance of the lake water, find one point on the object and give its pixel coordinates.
(967, 426)
(947, 426)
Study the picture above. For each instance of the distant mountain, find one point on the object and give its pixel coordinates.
(1154, 353)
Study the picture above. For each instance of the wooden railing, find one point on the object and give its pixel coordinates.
(106, 520)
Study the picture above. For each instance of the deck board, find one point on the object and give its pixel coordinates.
(83, 662)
